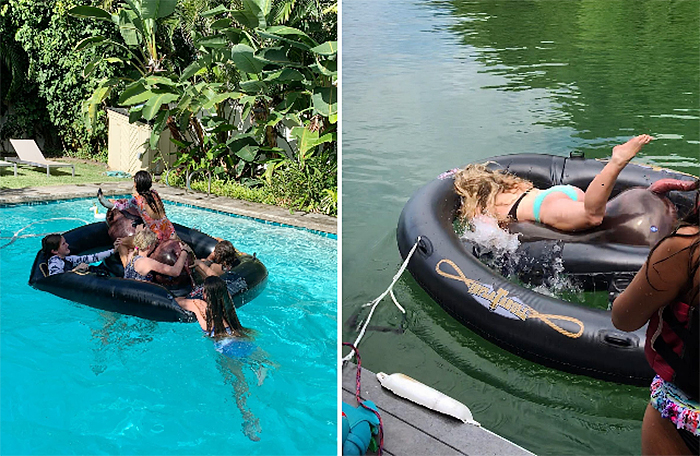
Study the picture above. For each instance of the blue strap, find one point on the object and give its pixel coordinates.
(568, 190)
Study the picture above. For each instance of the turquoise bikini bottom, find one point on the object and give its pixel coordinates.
(568, 190)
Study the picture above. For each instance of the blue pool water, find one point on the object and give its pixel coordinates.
(75, 380)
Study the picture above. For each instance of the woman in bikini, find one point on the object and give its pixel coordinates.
(509, 198)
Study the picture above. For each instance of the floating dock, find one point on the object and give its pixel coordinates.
(412, 429)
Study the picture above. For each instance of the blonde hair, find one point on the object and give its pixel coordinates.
(478, 187)
(144, 239)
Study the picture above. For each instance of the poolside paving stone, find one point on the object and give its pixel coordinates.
(275, 214)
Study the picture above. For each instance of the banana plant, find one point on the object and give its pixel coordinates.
(250, 66)
(137, 21)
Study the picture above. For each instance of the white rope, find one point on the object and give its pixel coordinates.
(16, 235)
(376, 301)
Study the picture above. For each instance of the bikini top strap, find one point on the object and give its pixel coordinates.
(513, 213)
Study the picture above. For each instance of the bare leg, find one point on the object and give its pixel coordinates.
(233, 375)
(659, 435)
(601, 187)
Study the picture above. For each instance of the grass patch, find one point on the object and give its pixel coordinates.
(85, 173)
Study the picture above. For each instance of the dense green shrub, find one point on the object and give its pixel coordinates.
(228, 188)
(44, 34)
(310, 185)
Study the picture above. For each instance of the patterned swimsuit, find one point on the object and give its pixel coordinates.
(163, 228)
(130, 272)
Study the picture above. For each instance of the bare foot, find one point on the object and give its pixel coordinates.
(625, 152)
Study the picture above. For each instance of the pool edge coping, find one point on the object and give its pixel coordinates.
(316, 223)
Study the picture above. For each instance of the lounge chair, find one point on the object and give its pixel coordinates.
(4, 163)
(29, 154)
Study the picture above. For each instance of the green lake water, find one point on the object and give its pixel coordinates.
(431, 85)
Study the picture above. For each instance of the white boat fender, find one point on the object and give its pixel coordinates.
(415, 391)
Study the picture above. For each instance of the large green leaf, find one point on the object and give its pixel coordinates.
(284, 30)
(154, 104)
(234, 35)
(328, 48)
(196, 67)
(214, 41)
(221, 24)
(253, 86)
(90, 67)
(90, 12)
(247, 153)
(213, 12)
(306, 139)
(294, 42)
(259, 8)
(325, 100)
(94, 101)
(288, 102)
(160, 80)
(245, 18)
(221, 97)
(284, 76)
(135, 94)
(135, 114)
(157, 130)
(130, 28)
(244, 59)
(154, 9)
(89, 42)
(326, 68)
(276, 55)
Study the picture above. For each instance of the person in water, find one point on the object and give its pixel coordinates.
(666, 294)
(509, 198)
(220, 261)
(140, 267)
(57, 250)
(216, 314)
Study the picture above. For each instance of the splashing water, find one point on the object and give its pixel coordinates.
(486, 232)
(502, 252)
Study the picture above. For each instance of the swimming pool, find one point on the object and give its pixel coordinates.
(76, 380)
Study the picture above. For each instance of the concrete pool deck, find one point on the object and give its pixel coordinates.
(275, 214)
(412, 429)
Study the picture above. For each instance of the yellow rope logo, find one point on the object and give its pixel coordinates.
(498, 299)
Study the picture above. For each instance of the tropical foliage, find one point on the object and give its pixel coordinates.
(246, 89)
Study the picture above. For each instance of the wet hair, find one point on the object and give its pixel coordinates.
(143, 182)
(50, 243)
(226, 254)
(478, 186)
(220, 309)
(691, 219)
(144, 239)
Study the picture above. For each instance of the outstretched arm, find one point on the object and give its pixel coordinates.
(657, 284)
(145, 265)
(203, 269)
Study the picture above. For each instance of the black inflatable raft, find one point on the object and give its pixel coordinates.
(550, 331)
(107, 290)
